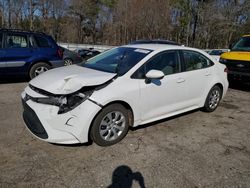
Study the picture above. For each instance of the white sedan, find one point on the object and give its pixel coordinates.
(124, 87)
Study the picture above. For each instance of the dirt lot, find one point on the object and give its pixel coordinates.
(196, 149)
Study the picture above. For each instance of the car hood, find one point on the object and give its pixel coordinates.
(233, 55)
(66, 80)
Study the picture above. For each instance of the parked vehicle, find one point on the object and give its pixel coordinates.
(87, 53)
(27, 53)
(70, 57)
(154, 41)
(125, 86)
(238, 60)
(216, 53)
(207, 50)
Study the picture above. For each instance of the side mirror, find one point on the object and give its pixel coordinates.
(154, 74)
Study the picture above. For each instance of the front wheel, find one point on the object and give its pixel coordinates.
(110, 126)
(213, 99)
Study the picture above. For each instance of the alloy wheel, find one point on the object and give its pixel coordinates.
(214, 99)
(112, 126)
(40, 70)
(68, 62)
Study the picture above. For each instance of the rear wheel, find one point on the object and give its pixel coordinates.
(38, 69)
(213, 99)
(68, 61)
(110, 125)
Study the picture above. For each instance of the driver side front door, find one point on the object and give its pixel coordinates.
(160, 98)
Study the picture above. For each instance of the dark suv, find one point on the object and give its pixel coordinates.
(28, 53)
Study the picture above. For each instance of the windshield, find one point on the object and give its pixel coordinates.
(118, 60)
(242, 45)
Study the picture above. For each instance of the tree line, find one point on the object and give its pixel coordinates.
(197, 23)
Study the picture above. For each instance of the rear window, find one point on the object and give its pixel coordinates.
(42, 42)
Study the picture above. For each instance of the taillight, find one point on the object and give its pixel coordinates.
(226, 70)
(60, 53)
(78, 55)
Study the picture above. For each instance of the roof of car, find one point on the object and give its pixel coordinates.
(157, 46)
(154, 41)
(220, 50)
(21, 31)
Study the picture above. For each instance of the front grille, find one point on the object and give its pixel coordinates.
(238, 66)
(32, 121)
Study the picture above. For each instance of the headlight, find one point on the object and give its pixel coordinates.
(69, 102)
(56, 101)
(223, 61)
(64, 102)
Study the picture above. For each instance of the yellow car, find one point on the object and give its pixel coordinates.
(238, 60)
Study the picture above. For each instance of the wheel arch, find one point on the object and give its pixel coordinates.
(67, 57)
(39, 61)
(127, 106)
(205, 106)
(35, 62)
(220, 86)
(124, 104)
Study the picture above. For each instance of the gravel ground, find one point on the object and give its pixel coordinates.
(195, 149)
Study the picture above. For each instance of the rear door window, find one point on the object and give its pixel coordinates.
(42, 42)
(194, 61)
(16, 41)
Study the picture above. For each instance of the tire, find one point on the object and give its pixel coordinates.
(68, 61)
(38, 69)
(213, 99)
(104, 127)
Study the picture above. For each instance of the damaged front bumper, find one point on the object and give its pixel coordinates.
(44, 122)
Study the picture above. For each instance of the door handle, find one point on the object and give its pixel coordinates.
(180, 80)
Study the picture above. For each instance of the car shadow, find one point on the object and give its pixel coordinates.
(123, 176)
(90, 142)
(12, 79)
(74, 145)
(240, 86)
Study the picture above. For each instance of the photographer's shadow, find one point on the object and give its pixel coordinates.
(123, 177)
